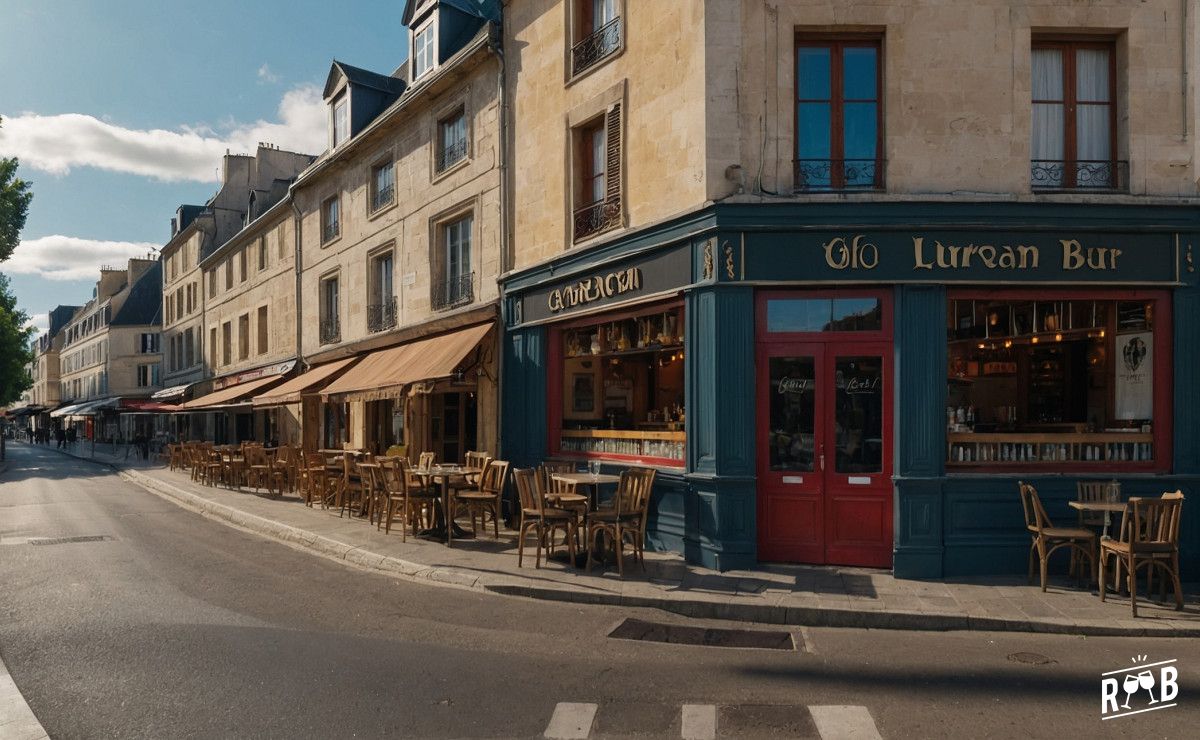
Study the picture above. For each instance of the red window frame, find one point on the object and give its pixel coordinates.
(1067, 46)
(1163, 378)
(554, 384)
(836, 101)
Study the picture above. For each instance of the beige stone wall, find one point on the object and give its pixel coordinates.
(424, 200)
(180, 269)
(124, 358)
(659, 79)
(273, 287)
(956, 89)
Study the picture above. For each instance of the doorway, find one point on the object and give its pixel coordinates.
(824, 433)
(453, 425)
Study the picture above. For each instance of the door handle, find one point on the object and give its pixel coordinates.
(822, 456)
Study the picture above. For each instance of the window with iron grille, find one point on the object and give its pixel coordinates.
(455, 287)
(452, 140)
(598, 33)
(381, 310)
(839, 120)
(383, 185)
(331, 226)
(330, 328)
(597, 198)
(1074, 127)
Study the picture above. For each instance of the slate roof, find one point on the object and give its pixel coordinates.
(489, 10)
(144, 304)
(362, 77)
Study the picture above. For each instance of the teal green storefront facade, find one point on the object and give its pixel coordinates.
(721, 261)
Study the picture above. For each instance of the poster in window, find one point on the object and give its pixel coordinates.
(584, 392)
(1135, 376)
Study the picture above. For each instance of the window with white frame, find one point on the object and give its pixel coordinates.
(423, 51)
(341, 118)
(148, 343)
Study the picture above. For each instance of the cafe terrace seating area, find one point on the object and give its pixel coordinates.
(574, 519)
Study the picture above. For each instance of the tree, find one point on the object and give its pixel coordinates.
(15, 196)
(15, 348)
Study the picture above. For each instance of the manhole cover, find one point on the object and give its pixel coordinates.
(674, 634)
(1031, 658)
(65, 540)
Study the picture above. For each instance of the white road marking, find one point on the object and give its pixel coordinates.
(571, 721)
(699, 722)
(844, 723)
(16, 718)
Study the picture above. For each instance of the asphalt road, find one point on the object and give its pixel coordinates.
(177, 626)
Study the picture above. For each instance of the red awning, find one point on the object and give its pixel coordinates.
(146, 406)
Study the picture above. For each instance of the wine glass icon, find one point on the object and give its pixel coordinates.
(1130, 685)
(1146, 680)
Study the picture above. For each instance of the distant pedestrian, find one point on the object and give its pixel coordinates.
(60, 437)
(70, 437)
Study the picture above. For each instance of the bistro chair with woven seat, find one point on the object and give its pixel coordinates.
(395, 482)
(486, 499)
(543, 520)
(622, 520)
(1048, 538)
(1149, 539)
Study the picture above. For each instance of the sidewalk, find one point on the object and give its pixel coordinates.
(775, 594)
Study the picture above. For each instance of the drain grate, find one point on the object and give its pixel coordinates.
(66, 540)
(1031, 658)
(674, 634)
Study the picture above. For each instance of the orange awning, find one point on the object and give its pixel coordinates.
(385, 374)
(291, 391)
(228, 395)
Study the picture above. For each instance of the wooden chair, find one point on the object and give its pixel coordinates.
(550, 489)
(350, 489)
(642, 507)
(213, 469)
(541, 519)
(1093, 491)
(487, 498)
(623, 520)
(261, 471)
(422, 493)
(1047, 538)
(395, 480)
(174, 457)
(316, 479)
(1150, 539)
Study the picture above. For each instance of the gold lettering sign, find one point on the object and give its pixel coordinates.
(855, 253)
(595, 288)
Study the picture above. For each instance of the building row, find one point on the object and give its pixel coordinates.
(842, 271)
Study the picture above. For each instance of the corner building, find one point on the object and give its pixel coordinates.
(846, 272)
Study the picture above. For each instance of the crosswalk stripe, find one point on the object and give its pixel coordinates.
(571, 721)
(844, 723)
(699, 722)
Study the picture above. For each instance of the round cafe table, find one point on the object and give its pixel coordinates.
(590, 481)
(444, 526)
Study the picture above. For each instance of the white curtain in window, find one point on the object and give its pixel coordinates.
(1092, 122)
(1048, 123)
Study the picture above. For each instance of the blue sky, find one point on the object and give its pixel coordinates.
(120, 111)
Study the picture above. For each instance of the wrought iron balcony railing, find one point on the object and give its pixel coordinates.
(597, 217)
(382, 197)
(454, 291)
(330, 231)
(331, 331)
(452, 155)
(838, 174)
(1080, 174)
(381, 316)
(602, 42)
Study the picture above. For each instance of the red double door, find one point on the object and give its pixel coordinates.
(824, 441)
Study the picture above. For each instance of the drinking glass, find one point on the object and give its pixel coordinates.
(594, 467)
(1146, 680)
(1130, 685)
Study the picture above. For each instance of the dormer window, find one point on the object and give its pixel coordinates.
(341, 119)
(423, 51)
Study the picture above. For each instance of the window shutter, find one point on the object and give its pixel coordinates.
(613, 143)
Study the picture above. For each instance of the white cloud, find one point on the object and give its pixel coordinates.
(57, 143)
(40, 323)
(60, 257)
(266, 75)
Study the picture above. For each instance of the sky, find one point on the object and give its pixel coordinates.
(121, 110)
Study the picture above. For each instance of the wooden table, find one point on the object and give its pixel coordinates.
(444, 526)
(1107, 507)
(591, 481)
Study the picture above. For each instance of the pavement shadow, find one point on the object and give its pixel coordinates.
(27, 462)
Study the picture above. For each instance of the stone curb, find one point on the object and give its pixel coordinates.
(808, 616)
